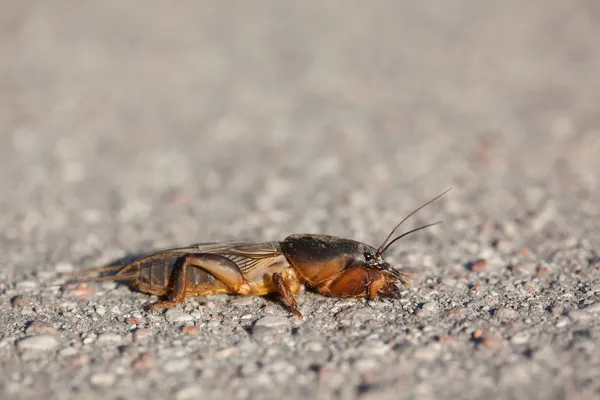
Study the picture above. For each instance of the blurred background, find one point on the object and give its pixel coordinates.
(149, 124)
(134, 126)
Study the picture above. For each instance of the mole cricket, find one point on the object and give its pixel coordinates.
(333, 266)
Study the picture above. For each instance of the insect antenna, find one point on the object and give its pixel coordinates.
(385, 243)
(408, 233)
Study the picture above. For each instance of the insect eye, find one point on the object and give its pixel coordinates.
(368, 256)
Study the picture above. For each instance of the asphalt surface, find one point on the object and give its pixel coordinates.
(129, 127)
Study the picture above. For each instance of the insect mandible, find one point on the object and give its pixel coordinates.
(331, 265)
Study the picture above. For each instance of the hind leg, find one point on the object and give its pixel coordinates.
(223, 269)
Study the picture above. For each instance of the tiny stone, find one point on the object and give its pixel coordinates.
(271, 322)
(100, 310)
(83, 289)
(491, 341)
(90, 338)
(176, 365)
(26, 285)
(144, 361)
(103, 379)
(506, 314)
(63, 267)
(115, 310)
(174, 315)
(67, 352)
(579, 315)
(593, 308)
(455, 313)
(196, 314)
(41, 342)
(78, 360)
(520, 338)
(109, 337)
(226, 352)
(427, 353)
(427, 309)
(190, 330)
(140, 334)
(477, 266)
(189, 393)
(242, 301)
(562, 322)
(39, 327)
(556, 311)
(542, 270)
(20, 301)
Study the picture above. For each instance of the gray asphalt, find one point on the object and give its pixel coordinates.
(128, 127)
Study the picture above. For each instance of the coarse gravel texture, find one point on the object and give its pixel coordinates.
(128, 127)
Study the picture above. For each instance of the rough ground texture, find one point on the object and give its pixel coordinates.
(128, 128)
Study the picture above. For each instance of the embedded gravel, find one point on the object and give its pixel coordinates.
(128, 127)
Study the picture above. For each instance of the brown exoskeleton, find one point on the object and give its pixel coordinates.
(333, 266)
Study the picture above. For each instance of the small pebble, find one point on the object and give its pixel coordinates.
(427, 309)
(63, 267)
(593, 308)
(67, 352)
(556, 311)
(455, 313)
(477, 265)
(144, 361)
(242, 301)
(140, 334)
(562, 322)
(271, 322)
(210, 304)
(41, 343)
(190, 330)
(227, 352)
(83, 289)
(26, 285)
(176, 365)
(579, 315)
(103, 379)
(488, 340)
(175, 315)
(78, 361)
(542, 270)
(506, 314)
(39, 327)
(520, 338)
(426, 353)
(89, 338)
(189, 393)
(20, 301)
(109, 337)
(100, 310)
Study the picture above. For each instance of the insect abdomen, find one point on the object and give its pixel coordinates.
(158, 271)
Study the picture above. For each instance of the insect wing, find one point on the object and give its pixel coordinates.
(246, 255)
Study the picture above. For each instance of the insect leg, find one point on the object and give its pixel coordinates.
(285, 292)
(220, 267)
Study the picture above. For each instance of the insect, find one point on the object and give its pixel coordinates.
(332, 266)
